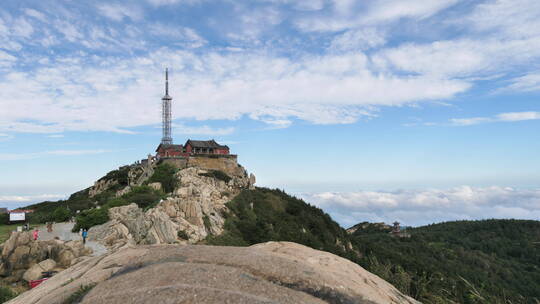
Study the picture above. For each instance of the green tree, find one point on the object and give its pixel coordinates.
(61, 214)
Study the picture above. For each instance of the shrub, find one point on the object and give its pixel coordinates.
(6, 294)
(4, 218)
(143, 196)
(61, 214)
(120, 175)
(92, 217)
(182, 234)
(207, 223)
(116, 202)
(218, 175)
(164, 174)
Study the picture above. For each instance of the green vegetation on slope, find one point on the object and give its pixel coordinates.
(90, 215)
(144, 196)
(6, 294)
(491, 261)
(164, 174)
(495, 261)
(44, 212)
(263, 215)
(5, 231)
(49, 211)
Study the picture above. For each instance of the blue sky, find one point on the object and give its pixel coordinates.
(418, 111)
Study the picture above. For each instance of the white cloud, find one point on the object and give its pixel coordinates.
(527, 83)
(33, 13)
(107, 94)
(70, 31)
(254, 22)
(5, 137)
(507, 18)
(170, 2)
(383, 11)
(362, 39)
(503, 117)
(6, 59)
(461, 58)
(23, 156)
(16, 201)
(309, 5)
(518, 116)
(350, 14)
(29, 198)
(202, 130)
(22, 28)
(469, 121)
(183, 36)
(117, 12)
(411, 207)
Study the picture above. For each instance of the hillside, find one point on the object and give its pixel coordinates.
(491, 261)
(261, 215)
(495, 261)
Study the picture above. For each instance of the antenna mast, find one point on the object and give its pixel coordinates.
(166, 113)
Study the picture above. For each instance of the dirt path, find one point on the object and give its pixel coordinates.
(63, 232)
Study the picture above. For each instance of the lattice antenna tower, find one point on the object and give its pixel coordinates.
(166, 112)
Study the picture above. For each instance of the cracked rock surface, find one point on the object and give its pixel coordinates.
(272, 272)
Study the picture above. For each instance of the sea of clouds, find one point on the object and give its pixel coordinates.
(422, 207)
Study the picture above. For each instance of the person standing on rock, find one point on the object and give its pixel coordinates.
(84, 235)
(36, 234)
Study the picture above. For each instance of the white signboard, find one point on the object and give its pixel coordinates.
(16, 216)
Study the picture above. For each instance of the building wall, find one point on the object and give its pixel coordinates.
(222, 151)
(180, 163)
(170, 153)
(227, 164)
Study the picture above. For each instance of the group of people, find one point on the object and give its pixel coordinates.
(35, 233)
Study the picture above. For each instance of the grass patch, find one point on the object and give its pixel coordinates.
(78, 295)
(5, 231)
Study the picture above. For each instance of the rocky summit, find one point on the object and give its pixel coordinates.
(194, 210)
(273, 272)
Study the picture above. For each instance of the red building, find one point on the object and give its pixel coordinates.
(167, 150)
(192, 147)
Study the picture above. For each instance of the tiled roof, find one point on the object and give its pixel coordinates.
(170, 147)
(204, 144)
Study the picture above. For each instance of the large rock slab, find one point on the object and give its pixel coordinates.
(274, 272)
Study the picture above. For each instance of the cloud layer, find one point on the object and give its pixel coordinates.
(16, 201)
(415, 208)
(97, 66)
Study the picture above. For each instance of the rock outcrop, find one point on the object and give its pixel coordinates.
(273, 272)
(195, 210)
(24, 258)
(100, 186)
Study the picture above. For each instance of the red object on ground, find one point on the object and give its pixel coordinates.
(35, 283)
